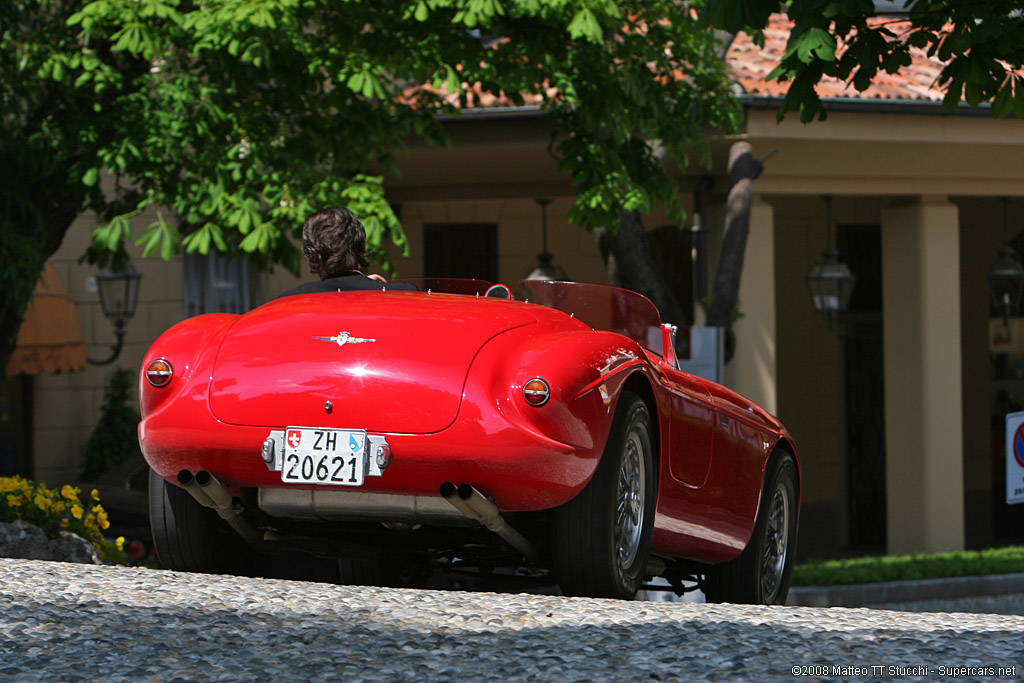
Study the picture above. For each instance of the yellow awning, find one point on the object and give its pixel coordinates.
(50, 338)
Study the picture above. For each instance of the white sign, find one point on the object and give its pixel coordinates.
(1015, 458)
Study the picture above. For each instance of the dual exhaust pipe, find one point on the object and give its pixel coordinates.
(473, 504)
(209, 492)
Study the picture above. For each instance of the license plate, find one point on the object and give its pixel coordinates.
(333, 457)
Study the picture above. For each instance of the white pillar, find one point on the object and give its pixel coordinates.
(923, 412)
(752, 371)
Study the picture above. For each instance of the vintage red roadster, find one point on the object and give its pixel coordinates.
(457, 428)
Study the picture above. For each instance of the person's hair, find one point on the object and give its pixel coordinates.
(334, 241)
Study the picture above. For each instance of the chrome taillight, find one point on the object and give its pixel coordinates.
(159, 372)
(536, 392)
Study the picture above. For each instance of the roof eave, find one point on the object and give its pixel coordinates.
(873, 106)
(484, 113)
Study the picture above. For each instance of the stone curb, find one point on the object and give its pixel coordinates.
(865, 594)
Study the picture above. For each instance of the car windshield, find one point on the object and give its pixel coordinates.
(447, 285)
(603, 308)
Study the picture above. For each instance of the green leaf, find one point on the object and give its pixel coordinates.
(1018, 99)
(1002, 105)
(91, 177)
(974, 93)
(585, 25)
(952, 97)
(815, 43)
(355, 81)
(152, 240)
(167, 248)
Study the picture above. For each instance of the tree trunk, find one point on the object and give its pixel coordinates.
(630, 265)
(743, 169)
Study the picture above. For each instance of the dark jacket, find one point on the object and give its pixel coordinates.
(351, 281)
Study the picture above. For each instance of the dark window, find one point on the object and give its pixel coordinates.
(860, 247)
(671, 247)
(217, 284)
(16, 423)
(461, 250)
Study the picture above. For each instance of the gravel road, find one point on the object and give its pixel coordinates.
(69, 622)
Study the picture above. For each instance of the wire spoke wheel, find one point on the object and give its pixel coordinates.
(629, 511)
(602, 537)
(776, 546)
(761, 573)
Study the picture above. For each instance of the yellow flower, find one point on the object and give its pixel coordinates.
(69, 492)
(76, 511)
(90, 521)
(59, 507)
(64, 522)
(95, 494)
(42, 502)
(119, 542)
(6, 484)
(13, 501)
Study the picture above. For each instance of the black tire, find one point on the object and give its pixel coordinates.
(761, 574)
(191, 538)
(387, 569)
(602, 537)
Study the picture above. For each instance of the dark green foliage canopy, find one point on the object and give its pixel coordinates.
(981, 42)
(231, 120)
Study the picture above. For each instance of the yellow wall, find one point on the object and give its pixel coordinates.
(67, 405)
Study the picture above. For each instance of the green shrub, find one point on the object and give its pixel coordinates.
(115, 437)
(1006, 560)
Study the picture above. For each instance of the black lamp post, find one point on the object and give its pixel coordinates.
(830, 281)
(119, 292)
(1006, 279)
(545, 269)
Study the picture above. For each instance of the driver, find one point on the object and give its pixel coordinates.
(334, 242)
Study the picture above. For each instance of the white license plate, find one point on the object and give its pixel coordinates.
(334, 457)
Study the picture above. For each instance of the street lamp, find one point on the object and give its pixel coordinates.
(1006, 279)
(545, 270)
(119, 292)
(830, 281)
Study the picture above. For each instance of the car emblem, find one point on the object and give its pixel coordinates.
(343, 338)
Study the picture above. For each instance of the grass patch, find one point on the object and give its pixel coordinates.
(1008, 560)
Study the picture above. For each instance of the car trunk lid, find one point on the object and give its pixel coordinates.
(379, 361)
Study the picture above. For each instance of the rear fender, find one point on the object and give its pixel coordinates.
(585, 371)
(187, 346)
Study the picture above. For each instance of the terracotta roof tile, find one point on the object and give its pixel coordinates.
(751, 63)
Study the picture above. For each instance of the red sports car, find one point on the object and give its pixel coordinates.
(456, 428)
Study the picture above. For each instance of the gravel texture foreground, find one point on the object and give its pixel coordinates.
(68, 622)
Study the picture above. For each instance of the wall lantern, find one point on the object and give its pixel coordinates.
(119, 292)
(1006, 279)
(545, 270)
(830, 281)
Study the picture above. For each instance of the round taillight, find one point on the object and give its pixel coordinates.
(536, 392)
(159, 372)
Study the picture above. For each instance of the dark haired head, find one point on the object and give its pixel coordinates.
(334, 242)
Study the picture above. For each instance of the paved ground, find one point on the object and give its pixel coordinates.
(69, 622)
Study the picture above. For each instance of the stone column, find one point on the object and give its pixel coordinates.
(923, 413)
(752, 371)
